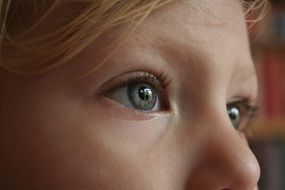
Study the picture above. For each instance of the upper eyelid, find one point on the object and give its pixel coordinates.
(244, 104)
(161, 81)
(248, 100)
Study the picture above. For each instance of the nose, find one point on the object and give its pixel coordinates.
(225, 162)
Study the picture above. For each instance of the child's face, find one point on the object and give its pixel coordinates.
(97, 133)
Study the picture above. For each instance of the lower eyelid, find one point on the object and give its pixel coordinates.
(115, 109)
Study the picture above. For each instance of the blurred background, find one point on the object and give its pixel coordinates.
(268, 130)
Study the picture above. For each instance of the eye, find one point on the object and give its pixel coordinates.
(142, 92)
(234, 115)
(240, 112)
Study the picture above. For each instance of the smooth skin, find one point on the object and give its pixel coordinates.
(62, 135)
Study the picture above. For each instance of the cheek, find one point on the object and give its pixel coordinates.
(50, 140)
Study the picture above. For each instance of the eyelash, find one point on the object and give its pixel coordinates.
(160, 81)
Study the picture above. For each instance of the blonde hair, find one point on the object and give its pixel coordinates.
(31, 45)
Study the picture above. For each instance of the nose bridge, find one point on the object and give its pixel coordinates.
(226, 161)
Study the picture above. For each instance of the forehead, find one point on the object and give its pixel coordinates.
(197, 29)
(201, 21)
(194, 37)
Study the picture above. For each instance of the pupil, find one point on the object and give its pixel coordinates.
(234, 115)
(142, 96)
(145, 93)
